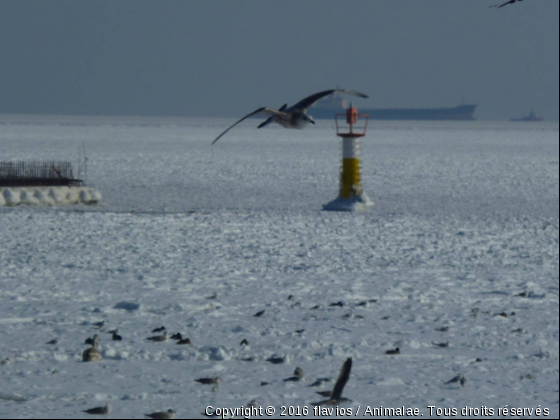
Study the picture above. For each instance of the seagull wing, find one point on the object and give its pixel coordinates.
(342, 379)
(505, 4)
(267, 111)
(306, 103)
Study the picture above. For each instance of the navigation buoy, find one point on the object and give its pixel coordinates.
(351, 196)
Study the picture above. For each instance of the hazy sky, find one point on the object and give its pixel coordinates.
(226, 58)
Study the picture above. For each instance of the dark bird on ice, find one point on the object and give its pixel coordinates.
(320, 382)
(393, 352)
(294, 116)
(276, 360)
(99, 411)
(209, 381)
(159, 338)
(459, 379)
(499, 6)
(260, 313)
(177, 337)
(116, 337)
(298, 376)
(336, 396)
(184, 342)
(157, 330)
(169, 414)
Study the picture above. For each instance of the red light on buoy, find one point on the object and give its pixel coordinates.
(353, 118)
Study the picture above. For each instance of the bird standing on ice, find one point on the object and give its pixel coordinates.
(209, 381)
(294, 116)
(169, 414)
(92, 354)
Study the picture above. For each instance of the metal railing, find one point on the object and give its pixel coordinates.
(22, 174)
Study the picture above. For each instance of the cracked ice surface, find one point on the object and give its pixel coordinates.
(466, 218)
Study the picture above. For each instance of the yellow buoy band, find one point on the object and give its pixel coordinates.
(350, 178)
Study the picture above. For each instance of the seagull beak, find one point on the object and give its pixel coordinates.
(312, 122)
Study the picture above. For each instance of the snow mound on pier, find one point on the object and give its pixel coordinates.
(48, 196)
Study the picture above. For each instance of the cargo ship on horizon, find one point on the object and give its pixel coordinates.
(335, 104)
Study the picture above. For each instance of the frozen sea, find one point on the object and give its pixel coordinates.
(465, 219)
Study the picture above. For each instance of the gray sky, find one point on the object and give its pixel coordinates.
(226, 58)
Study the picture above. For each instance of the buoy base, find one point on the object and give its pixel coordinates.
(359, 203)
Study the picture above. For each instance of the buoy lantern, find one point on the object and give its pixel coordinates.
(351, 127)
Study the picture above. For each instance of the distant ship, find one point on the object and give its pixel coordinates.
(532, 117)
(335, 104)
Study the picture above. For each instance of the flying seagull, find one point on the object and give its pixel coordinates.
(294, 116)
(505, 4)
(336, 395)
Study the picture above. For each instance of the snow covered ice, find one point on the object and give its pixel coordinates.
(456, 265)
